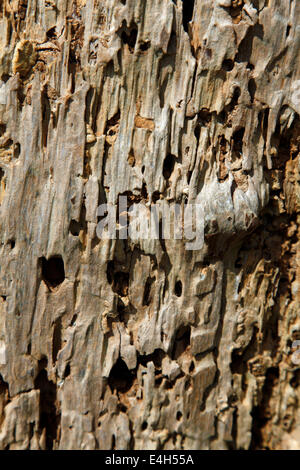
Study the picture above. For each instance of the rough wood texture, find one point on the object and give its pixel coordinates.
(145, 345)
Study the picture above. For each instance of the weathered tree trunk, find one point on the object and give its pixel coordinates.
(143, 344)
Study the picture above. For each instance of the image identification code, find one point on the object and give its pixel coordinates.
(151, 459)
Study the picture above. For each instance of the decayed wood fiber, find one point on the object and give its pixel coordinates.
(145, 345)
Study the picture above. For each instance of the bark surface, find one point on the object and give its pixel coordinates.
(143, 344)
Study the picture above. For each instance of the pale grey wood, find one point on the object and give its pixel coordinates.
(93, 97)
